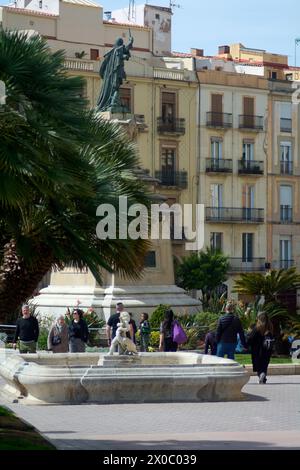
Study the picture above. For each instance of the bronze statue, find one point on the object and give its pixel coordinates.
(112, 72)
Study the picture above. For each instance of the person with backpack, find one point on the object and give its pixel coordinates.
(229, 326)
(171, 333)
(145, 331)
(261, 341)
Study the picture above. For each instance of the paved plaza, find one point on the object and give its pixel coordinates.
(267, 418)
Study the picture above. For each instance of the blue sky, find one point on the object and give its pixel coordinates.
(264, 24)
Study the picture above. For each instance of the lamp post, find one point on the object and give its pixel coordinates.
(297, 41)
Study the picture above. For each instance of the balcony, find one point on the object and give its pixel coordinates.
(286, 214)
(285, 125)
(239, 265)
(283, 264)
(222, 120)
(286, 168)
(234, 214)
(248, 121)
(218, 165)
(171, 126)
(251, 167)
(81, 64)
(172, 178)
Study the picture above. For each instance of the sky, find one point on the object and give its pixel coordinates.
(206, 24)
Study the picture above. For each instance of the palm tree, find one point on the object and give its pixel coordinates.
(58, 163)
(271, 286)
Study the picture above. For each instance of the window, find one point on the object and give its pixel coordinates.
(286, 158)
(247, 240)
(248, 150)
(168, 107)
(216, 148)
(285, 249)
(216, 241)
(157, 17)
(274, 75)
(216, 195)
(286, 205)
(217, 109)
(248, 196)
(150, 259)
(94, 54)
(125, 97)
(168, 159)
(285, 117)
(248, 107)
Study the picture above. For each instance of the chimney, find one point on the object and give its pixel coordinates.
(224, 50)
(197, 52)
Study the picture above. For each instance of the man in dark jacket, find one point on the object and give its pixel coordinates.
(228, 327)
(27, 330)
(112, 323)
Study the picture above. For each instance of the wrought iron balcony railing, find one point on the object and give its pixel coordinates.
(249, 121)
(249, 264)
(251, 167)
(286, 214)
(285, 125)
(171, 125)
(218, 165)
(173, 178)
(223, 120)
(234, 214)
(286, 168)
(283, 263)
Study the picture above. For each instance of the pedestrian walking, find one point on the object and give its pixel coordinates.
(27, 332)
(112, 323)
(261, 341)
(229, 326)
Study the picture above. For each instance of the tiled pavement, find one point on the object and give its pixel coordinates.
(267, 418)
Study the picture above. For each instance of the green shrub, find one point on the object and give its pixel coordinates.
(154, 339)
(207, 320)
(192, 342)
(158, 315)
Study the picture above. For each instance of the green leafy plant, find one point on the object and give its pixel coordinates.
(158, 315)
(204, 271)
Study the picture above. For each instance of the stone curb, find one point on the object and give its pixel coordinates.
(278, 369)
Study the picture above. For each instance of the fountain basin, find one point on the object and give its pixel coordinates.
(147, 377)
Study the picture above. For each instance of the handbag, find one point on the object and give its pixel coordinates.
(179, 335)
(56, 340)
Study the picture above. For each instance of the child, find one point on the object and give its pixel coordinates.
(145, 332)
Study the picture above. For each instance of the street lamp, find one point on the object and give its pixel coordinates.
(297, 41)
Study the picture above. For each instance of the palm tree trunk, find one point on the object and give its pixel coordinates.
(18, 280)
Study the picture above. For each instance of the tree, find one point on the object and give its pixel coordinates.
(58, 163)
(203, 271)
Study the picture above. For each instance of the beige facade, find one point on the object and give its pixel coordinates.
(220, 131)
(232, 167)
(283, 177)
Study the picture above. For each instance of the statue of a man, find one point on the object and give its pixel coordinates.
(112, 72)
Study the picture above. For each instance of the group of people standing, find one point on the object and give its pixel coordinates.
(62, 337)
(166, 340)
(144, 328)
(72, 337)
(223, 341)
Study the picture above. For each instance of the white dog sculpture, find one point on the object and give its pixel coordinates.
(126, 346)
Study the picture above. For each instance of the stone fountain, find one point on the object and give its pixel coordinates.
(145, 377)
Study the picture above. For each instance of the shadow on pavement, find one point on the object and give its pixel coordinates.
(175, 445)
